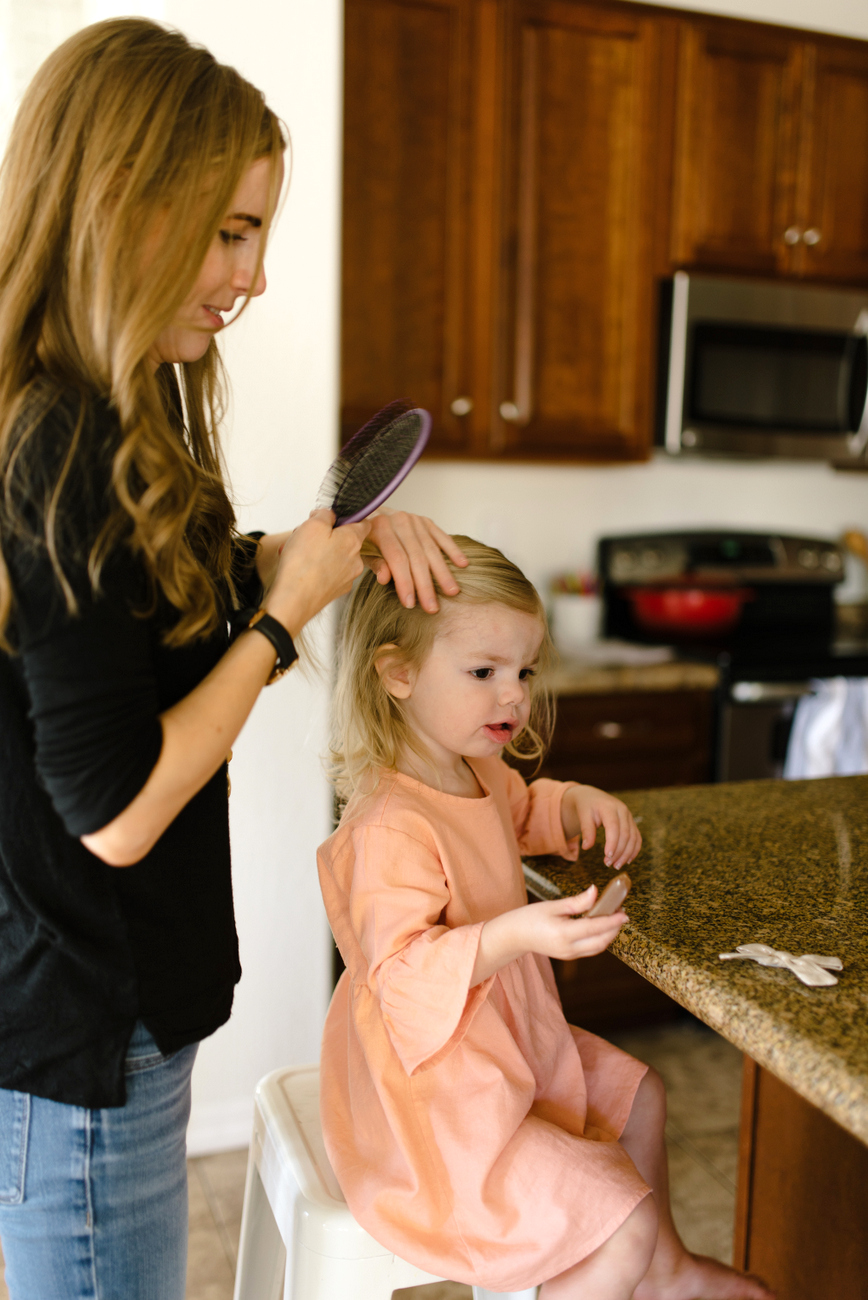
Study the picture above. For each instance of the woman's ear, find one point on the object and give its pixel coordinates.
(393, 672)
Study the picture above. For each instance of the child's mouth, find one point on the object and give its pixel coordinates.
(500, 731)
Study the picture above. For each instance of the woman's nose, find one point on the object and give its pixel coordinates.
(242, 281)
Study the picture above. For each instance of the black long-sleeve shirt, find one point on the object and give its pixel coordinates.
(85, 948)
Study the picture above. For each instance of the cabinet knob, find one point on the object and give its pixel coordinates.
(509, 411)
(792, 235)
(462, 406)
(812, 236)
(609, 730)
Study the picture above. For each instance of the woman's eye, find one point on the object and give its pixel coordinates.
(525, 673)
(481, 673)
(229, 237)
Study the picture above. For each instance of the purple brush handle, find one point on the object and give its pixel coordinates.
(421, 441)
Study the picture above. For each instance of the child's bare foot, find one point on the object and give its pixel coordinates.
(700, 1278)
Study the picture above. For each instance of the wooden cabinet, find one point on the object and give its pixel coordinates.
(833, 199)
(498, 208)
(632, 741)
(408, 157)
(580, 148)
(519, 173)
(800, 1211)
(771, 155)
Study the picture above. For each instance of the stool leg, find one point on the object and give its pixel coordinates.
(261, 1252)
(479, 1293)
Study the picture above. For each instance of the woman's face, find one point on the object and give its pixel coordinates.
(226, 274)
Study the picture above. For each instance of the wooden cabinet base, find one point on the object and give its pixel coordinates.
(602, 993)
(800, 1218)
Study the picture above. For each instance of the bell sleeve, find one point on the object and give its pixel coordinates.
(536, 816)
(419, 968)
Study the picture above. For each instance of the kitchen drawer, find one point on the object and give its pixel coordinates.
(610, 726)
(631, 740)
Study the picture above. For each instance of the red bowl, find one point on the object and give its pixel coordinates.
(700, 610)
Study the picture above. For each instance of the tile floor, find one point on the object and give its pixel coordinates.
(702, 1073)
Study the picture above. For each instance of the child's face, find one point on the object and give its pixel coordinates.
(471, 695)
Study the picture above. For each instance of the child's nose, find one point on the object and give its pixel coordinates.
(511, 692)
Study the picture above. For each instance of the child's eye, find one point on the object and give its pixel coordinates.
(481, 673)
(525, 673)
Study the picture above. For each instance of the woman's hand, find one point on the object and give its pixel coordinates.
(554, 929)
(314, 564)
(586, 808)
(411, 550)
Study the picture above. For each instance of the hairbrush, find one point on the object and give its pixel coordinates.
(374, 462)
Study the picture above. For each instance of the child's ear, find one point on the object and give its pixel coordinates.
(393, 672)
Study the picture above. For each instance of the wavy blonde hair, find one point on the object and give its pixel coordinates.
(126, 131)
(370, 731)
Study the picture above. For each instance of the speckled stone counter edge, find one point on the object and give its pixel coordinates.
(795, 1059)
(816, 1076)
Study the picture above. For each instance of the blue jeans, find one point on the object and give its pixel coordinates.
(93, 1203)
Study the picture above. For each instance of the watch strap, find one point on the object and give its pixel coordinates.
(276, 633)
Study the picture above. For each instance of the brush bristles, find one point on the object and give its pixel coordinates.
(380, 465)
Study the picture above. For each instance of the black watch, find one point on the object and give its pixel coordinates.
(277, 634)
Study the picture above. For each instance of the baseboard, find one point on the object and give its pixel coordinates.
(219, 1126)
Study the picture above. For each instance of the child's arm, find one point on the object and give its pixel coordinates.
(553, 929)
(585, 808)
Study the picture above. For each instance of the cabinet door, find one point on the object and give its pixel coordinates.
(834, 194)
(582, 90)
(406, 331)
(740, 88)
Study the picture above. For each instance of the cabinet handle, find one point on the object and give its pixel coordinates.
(609, 730)
(519, 410)
(812, 236)
(462, 406)
(792, 235)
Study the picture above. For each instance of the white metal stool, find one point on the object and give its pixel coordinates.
(298, 1238)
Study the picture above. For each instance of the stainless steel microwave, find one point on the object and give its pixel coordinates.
(752, 368)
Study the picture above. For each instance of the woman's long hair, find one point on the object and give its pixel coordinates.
(370, 732)
(121, 166)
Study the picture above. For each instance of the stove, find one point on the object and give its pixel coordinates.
(759, 605)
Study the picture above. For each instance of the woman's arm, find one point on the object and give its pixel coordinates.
(317, 564)
(408, 548)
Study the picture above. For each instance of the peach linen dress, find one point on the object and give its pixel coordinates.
(472, 1130)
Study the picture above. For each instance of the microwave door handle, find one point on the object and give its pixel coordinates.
(677, 363)
(857, 441)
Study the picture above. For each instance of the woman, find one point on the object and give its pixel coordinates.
(138, 189)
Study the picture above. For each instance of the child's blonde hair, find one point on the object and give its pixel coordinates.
(369, 727)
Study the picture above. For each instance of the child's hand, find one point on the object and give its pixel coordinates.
(553, 929)
(558, 930)
(585, 808)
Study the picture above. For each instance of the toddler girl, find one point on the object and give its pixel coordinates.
(472, 1130)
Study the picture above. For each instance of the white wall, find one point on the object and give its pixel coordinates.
(282, 356)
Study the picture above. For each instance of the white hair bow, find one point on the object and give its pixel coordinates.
(809, 968)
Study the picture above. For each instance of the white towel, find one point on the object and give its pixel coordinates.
(830, 730)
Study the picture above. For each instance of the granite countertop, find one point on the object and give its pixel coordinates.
(579, 677)
(778, 862)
